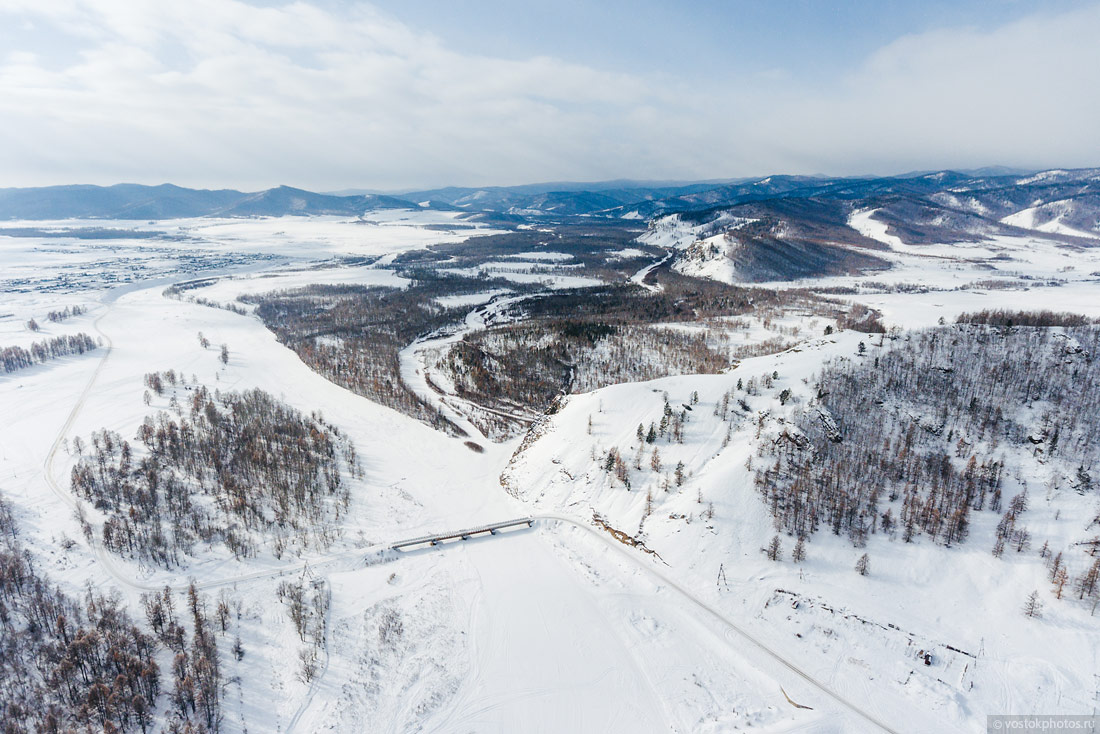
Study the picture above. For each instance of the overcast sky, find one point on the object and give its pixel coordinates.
(399, 94)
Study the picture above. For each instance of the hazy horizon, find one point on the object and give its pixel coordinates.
(329, 95)
(626, 182)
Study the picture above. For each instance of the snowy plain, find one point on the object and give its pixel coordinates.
(560, 627)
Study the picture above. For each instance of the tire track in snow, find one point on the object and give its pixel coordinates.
(725, 621)
(315, 684)
(567, 666)
(108, 563)
(101, 554)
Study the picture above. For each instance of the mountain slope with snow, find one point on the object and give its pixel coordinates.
(641, 597)
(695, 508)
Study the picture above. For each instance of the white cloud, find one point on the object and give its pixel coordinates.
(1021, 94)
(219, 92)
(258, 95)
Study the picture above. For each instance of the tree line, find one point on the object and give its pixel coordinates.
(57, 316)
(353, 335)
(1007, 318)
(17, 358)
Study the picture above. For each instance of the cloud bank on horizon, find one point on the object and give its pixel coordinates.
(224, 93)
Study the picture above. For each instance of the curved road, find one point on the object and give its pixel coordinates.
(724, 620)
(414, 370)
(107, 561)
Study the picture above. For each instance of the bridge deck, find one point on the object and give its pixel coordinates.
(491, 529)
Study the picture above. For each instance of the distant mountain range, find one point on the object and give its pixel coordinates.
(782, 228)
(133, 201)
(1068, 197)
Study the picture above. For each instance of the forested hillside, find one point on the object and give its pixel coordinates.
(924, 433)
(241, 470)
(75, 664)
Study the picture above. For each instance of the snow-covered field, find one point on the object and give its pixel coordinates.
(544, 623)
(315, 237)
(928, 282)
(857, 636)
(1047, 218)
(551, 273)
(1028, 272)
(561, 627)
